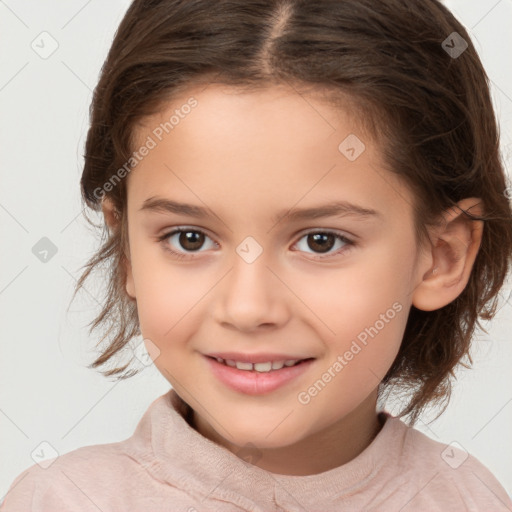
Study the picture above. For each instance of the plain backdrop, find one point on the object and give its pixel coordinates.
(46, 392)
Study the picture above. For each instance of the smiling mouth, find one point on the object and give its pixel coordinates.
(264, 367)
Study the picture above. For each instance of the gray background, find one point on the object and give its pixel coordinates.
(46, 393)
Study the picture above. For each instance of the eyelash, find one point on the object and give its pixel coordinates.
(349, 244)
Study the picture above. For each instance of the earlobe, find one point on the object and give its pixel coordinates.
(129, 283)
(454, 249)
(110, 213)
(130, 287)
(112, 219)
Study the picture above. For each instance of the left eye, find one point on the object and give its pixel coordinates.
(323, 242)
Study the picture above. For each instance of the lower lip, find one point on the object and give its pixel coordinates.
(253, 382)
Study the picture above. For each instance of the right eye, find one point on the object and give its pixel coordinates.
(189, 239)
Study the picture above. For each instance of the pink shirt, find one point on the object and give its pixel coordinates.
(168, 466)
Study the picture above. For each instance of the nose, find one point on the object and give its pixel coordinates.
(251, 297)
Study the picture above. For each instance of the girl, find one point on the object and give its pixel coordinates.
(306, 209)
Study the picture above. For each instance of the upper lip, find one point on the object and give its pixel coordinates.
(261, 357)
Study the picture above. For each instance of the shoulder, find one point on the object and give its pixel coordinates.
(441, 476)
(94, 477)
(73, 478)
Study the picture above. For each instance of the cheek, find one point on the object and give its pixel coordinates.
(361, 313)
(357, 359)
(348, 299)
(169, 295)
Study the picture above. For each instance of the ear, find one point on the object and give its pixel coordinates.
(452, 253)
(110, 213)
(112, 219)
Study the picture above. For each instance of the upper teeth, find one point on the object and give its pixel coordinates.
(259, 367)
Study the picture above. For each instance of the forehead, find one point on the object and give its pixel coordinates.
(274, 144)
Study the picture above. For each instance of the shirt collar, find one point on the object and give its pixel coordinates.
(174, 452)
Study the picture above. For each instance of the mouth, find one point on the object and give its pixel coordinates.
(256, 378)
(263, 367)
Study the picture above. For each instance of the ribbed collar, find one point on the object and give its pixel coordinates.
(175, 453)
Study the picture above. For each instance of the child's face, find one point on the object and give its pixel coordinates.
(248, 158)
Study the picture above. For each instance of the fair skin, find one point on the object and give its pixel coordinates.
(247, 157)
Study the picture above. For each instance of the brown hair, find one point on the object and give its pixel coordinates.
(430, 110)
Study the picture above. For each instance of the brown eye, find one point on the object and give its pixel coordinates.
(185, 242)
(191, 240)
(322, 242)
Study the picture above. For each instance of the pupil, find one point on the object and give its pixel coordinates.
(321, 242)
(191, 237)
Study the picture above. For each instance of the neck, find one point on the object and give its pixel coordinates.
(321, 451)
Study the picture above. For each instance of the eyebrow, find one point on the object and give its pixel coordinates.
(333, 209)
